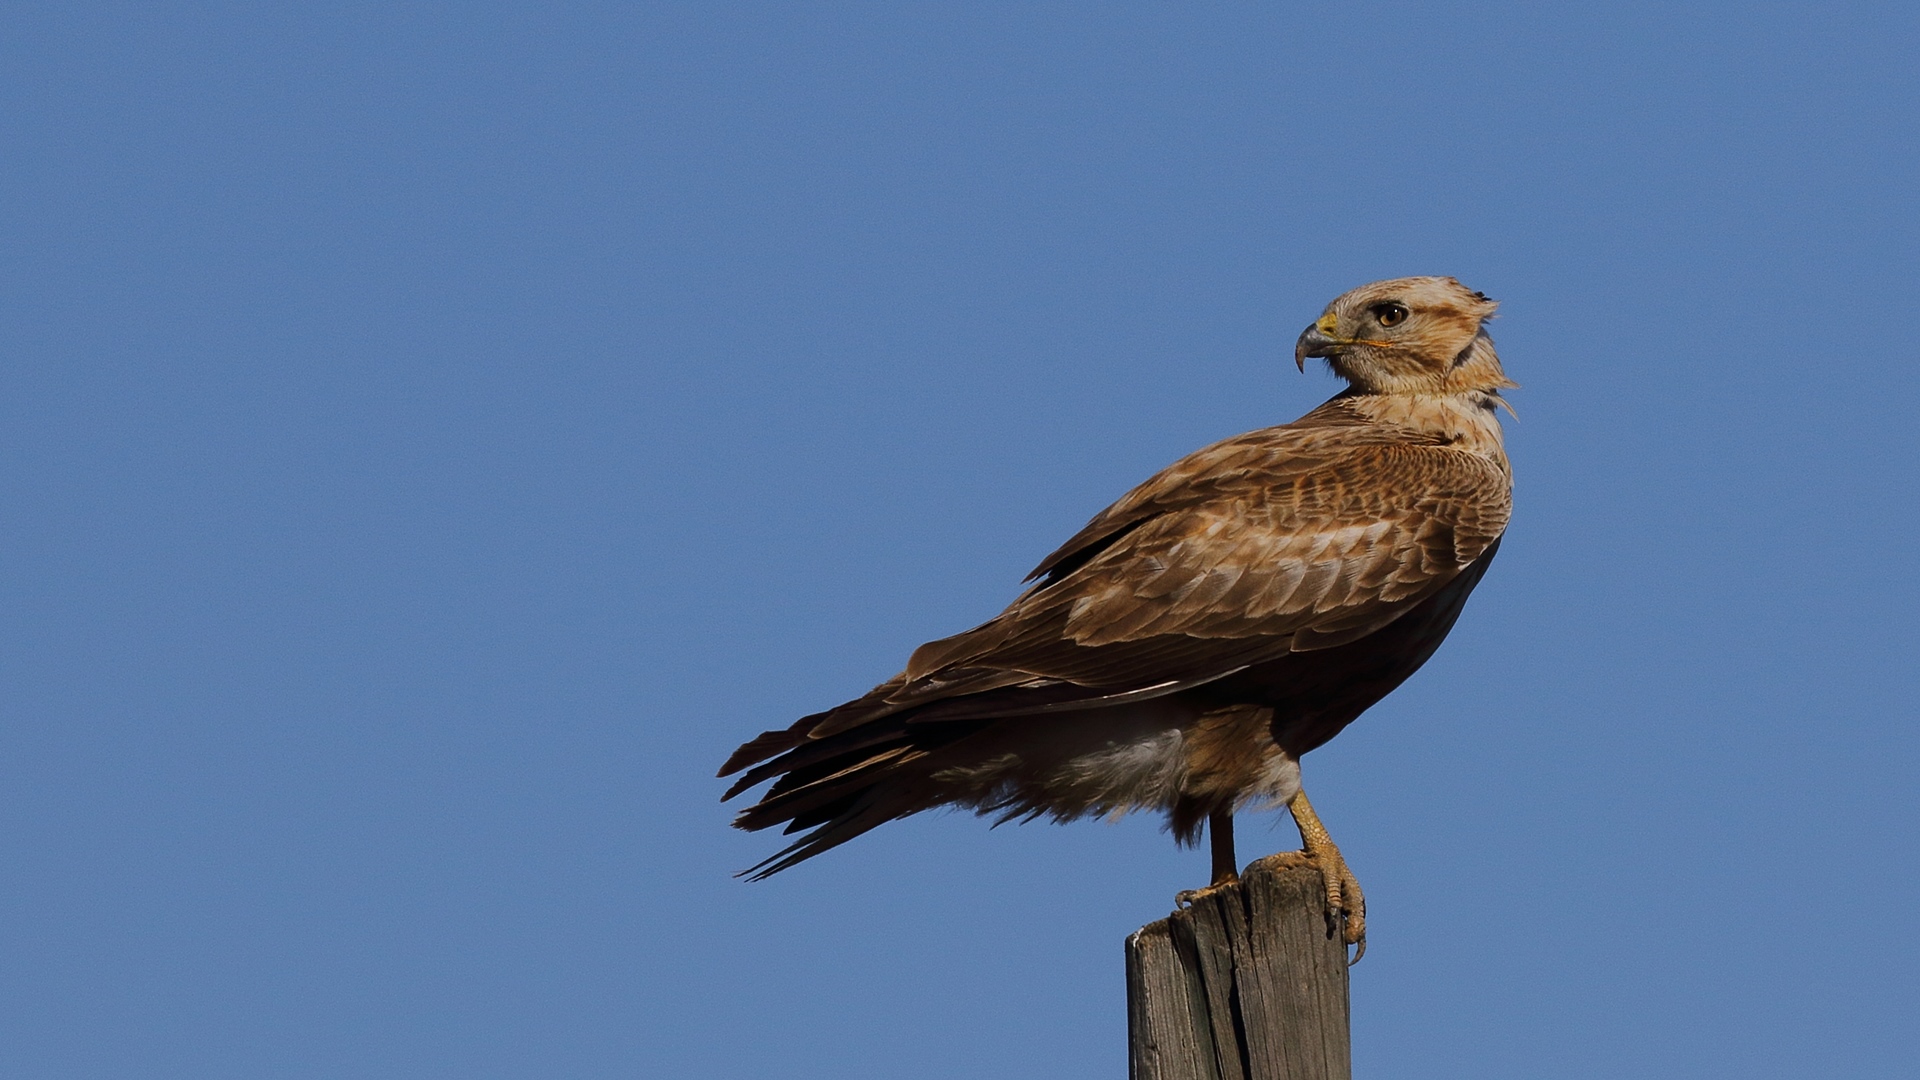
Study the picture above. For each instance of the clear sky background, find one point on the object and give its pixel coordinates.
(433, 435)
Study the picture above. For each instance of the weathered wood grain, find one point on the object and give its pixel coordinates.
(1249, 982)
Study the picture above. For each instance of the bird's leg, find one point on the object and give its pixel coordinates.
(1226, 870)
(1343, 892)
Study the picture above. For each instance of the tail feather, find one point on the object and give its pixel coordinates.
(761, 747)
(784, 805)
(865, 811)
(1003, 753)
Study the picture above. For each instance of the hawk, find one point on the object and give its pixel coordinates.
(1184, 650)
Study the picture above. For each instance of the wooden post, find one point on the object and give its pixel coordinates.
(1248, 983)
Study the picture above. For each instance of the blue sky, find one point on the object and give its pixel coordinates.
(435, 434)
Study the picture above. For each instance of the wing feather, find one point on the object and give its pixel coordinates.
(1293, 538)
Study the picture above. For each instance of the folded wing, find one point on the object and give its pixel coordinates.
(1284, 540)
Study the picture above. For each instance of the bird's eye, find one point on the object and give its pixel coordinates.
(1390, 314)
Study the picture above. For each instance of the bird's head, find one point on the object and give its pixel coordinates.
(1414, 335)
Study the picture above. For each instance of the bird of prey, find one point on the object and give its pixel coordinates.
(1186, 648)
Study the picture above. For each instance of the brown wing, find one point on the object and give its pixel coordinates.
(1287, 539)
(1313, 560)
(1267, 456)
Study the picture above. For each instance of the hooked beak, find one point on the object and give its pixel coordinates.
(1319, 340)
(1316, 340)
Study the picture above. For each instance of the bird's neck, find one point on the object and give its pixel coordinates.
(1468, 419)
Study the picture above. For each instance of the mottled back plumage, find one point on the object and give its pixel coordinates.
(1184, 649)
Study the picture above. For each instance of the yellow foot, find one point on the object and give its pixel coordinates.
(1186, 897)
(1343, 890)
